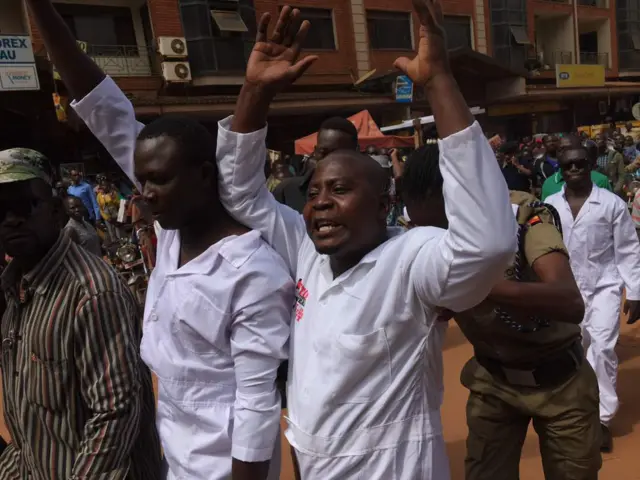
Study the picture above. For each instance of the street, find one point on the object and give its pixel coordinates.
(620, 465)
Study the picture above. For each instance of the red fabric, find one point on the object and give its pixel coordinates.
(368, 134)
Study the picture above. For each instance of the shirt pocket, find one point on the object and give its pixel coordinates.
(201, 328)
(47, 382)
(600, 238)
(361, 367)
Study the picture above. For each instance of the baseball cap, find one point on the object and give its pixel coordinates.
(20, 164)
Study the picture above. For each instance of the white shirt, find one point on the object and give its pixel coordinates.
(215, 329)
(602, 242)
(366, 354)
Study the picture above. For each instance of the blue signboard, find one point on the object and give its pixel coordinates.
(404, 89)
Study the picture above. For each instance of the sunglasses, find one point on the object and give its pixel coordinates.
(580, 164)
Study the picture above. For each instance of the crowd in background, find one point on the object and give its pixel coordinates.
(105, 213)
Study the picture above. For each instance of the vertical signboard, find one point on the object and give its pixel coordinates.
(404, 89)
(17, 64)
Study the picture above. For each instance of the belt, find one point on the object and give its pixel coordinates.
(554, 371)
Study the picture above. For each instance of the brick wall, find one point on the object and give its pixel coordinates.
(165, 18)
(337, 66)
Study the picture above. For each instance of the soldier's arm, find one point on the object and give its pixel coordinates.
(556, 296)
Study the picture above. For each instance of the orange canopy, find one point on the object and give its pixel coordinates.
(368, 134)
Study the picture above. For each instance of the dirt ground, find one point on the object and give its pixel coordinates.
(622, 464)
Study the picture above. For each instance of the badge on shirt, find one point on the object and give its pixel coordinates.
(301, 298)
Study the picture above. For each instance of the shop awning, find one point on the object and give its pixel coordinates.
(368, 134)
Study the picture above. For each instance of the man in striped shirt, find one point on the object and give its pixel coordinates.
(78, 401)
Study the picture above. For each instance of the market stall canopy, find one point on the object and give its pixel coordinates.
(368, 134)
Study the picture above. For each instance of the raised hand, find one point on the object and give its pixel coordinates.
(273, 64)
(432, 58)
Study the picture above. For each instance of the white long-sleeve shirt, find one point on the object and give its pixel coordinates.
(366, 356)
(215, 329)
(602, 243)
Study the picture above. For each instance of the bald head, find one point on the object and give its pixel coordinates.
(364, 165)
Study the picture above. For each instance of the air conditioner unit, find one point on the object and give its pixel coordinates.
(172, 47)
(176, 72)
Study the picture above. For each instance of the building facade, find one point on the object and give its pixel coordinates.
(189, 56)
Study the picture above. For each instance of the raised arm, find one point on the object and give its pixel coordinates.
(241, 150)
(457, 270)
(98, 100)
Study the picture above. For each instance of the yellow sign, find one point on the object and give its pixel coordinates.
(83, 47)
(571, 76)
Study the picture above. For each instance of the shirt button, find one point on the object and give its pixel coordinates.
(153, 317)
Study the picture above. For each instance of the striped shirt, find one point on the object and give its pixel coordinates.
(78, 400)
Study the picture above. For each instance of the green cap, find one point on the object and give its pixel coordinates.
(20, 164)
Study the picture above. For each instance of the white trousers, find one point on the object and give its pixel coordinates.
(600, 331)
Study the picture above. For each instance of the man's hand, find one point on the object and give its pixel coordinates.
(274, 63)
(632, 307)
(432, 59)
(273, 66)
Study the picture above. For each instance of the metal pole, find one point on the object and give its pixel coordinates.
(576, 34)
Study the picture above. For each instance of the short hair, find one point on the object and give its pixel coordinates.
(421, 175)
(341, 125)
(197, 145)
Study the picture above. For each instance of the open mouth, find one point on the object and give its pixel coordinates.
(326, 226)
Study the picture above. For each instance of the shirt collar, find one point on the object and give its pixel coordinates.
(594, 196)
(38, 278)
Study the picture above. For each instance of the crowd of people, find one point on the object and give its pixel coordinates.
(349, 263)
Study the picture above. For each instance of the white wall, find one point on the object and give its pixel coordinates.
(604, 40)
(554, 35)
(12, 21)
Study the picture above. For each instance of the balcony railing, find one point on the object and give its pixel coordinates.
(558, 57)
(593, 3)
(592, 58)
(124, 60)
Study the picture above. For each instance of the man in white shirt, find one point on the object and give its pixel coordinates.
(216, 321)
(605, 257)
(366, 356)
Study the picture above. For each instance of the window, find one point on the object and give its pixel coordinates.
(509, 31)
(108, 31)
(520, 35)
(321, 35)
(628, 20)
(228, 21)
(220, 35)
(390, 30)
(458, 31)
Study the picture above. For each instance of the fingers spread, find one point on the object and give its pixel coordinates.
(263, 26)
(299, 38)
(297, 70)
(292, 28)
(281, 27)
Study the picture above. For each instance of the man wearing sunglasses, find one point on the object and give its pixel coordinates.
(605, 257)
(78, 401)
